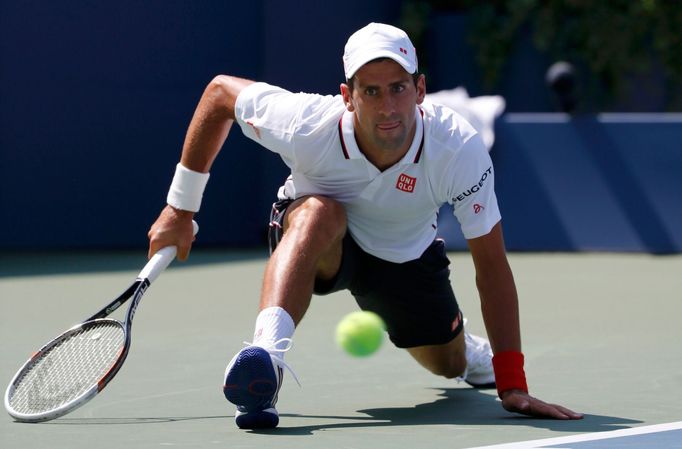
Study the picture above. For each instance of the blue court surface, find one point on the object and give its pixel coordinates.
(658, 436)
(601, 334)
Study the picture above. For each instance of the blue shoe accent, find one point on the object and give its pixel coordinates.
(251, 380)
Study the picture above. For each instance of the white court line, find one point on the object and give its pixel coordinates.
(549, 442)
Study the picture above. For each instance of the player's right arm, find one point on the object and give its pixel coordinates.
(206, 135)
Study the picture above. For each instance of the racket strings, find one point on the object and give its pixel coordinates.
(69, 369)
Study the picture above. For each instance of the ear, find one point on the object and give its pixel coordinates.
(421, 88)
(347, 97)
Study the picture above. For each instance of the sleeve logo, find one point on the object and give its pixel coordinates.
(475, 188)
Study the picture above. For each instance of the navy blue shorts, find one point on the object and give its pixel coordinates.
(414, 298)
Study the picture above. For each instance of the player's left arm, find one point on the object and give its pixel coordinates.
(500, 308)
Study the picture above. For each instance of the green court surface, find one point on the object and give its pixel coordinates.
(601, 332)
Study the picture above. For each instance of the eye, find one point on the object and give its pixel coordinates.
(398, 88)
(371, 91)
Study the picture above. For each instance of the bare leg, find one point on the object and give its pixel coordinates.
(314, 227)
(310, 247)
(446, 360)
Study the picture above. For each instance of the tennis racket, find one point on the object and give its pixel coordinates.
(75, 366)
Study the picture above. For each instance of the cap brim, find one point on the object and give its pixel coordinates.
(404, 63)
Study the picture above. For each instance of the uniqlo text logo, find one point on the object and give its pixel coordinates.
(406, 183)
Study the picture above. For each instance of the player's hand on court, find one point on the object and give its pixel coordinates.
(172, 228)
(521, 402)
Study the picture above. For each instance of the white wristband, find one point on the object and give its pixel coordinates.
(187, 189)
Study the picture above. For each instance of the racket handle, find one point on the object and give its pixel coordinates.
(162, 259)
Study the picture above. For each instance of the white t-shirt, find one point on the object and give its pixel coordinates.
(391, 214)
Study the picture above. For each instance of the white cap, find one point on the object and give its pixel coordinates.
(378, 40)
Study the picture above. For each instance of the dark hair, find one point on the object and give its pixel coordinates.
(351, 81)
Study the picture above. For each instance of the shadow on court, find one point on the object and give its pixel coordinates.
(458, 406)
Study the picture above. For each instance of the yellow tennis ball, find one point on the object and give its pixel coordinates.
(360, 333)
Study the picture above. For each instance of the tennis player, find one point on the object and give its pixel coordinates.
(370, 169)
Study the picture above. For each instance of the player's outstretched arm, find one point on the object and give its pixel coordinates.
(499, 305)
(211, 122)
(206, 135)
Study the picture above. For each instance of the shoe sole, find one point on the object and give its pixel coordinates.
(251, 382)
(261, 419)
(487, 386)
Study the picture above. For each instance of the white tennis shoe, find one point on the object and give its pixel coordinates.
(479, 372)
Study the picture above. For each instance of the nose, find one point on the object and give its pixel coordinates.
(386, 105)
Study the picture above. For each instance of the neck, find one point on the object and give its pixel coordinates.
(383, 157)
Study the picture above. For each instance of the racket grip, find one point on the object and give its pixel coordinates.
(162, 259)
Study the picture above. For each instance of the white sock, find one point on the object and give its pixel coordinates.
(273, 324)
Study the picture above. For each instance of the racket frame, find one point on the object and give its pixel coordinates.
(135, 291)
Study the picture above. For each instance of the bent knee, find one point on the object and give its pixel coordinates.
(320, 213)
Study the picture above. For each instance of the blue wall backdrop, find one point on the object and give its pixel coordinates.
(95, 99)
(611, 182)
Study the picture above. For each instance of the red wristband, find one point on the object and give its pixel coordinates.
(509, 374)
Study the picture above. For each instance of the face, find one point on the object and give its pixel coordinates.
(383, 100)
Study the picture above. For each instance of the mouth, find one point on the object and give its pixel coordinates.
(388, 126)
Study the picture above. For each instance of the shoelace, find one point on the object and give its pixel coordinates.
(271, 347)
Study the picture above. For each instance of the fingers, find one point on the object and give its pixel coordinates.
(172, 228)
(539, 408)
(570, 413)
(528, 405)
(154, 245)
(183, 250)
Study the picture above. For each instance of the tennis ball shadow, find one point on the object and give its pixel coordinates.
(456, 406)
